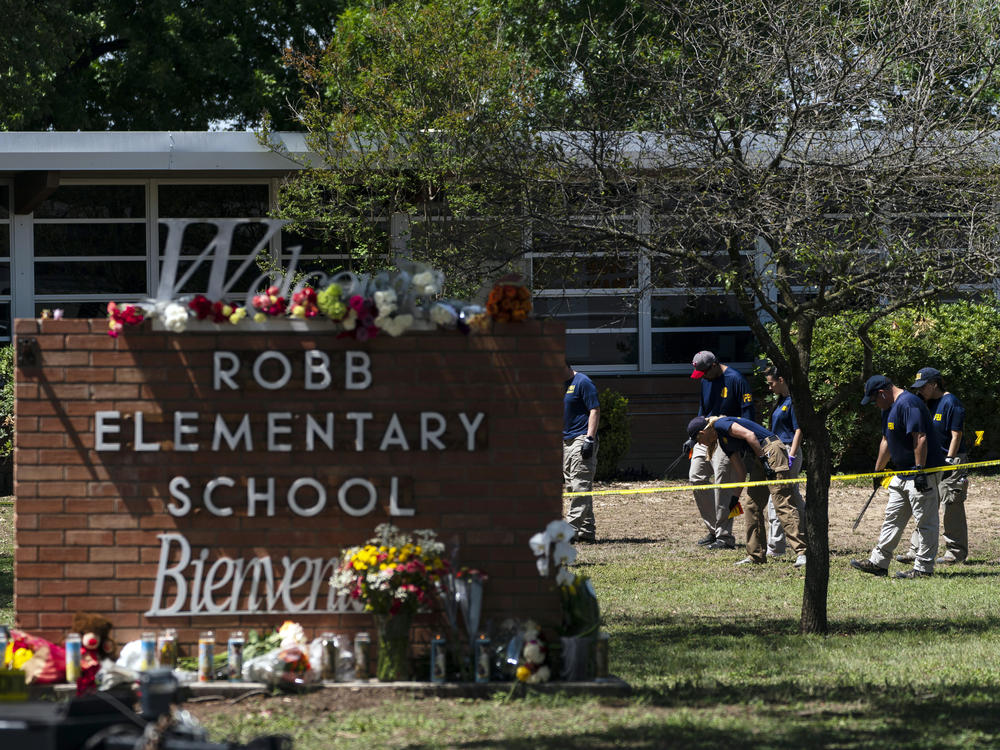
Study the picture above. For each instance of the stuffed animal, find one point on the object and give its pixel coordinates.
(96, 644)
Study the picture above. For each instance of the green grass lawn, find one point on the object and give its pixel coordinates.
(714, 658)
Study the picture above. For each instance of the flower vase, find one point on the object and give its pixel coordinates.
(577, 659)
(392, 662)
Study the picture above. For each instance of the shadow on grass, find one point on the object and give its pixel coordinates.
(907, 723)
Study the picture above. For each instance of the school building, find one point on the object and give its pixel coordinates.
(80, 224)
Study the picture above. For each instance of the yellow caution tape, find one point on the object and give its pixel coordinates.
(800, 479)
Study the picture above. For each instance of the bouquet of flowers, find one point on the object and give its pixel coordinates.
(394, 571)
(119, 317)
(509, 302)
(554, 553)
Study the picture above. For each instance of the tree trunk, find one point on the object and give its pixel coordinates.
(817, 532)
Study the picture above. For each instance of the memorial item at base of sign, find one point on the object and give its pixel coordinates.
(97, 645)
(45, 663)
(392, 660)
(531, 666)
(439, 658)
(581, 614)
(483, 656)
(576, 659)
(509, 302)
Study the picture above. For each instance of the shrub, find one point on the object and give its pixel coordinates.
(614, 432)
(6, 403)
(961, 339)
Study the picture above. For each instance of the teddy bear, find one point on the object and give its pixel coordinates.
(95, 644)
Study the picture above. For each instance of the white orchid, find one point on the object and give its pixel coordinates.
(560, 531)
(542, 563)
(563, 554)
(539, 543)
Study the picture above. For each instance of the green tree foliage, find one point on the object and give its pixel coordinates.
(155, 65)
(418, 111)
(960, 339)
(615, 433)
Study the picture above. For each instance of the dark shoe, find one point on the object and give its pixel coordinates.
(719, 544)
(913, 573)
(949, 559)
(907, 558)
(867, 566)
(706, 540)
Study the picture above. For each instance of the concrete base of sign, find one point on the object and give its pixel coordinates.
(199, 691)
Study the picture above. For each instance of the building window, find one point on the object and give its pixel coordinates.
(5, 244)
(220, 201)
(90, 246)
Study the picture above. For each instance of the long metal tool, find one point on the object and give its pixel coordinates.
(666, 474)
(864, 508)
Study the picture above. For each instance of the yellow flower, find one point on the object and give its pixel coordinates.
(298, 311)
(227, 310)
(259, 317)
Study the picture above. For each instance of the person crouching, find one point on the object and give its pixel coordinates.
(754, 449)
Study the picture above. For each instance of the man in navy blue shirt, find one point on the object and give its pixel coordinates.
(581, 416)
(910, 440)
(724, 393)
(755, 449)
(948, 418)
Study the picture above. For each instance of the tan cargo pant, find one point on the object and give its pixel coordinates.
(578, 476)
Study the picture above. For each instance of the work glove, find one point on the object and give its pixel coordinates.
(876, 482)
(952, 460)
(688, 445)
(791, 462)
(768, 471)
(920, 481)
(588, 448)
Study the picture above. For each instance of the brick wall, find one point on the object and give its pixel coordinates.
(88, 521)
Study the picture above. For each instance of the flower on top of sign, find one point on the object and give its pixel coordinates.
(360, 305)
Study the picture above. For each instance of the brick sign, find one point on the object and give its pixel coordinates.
(210, 479)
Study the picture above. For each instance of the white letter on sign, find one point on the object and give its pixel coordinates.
(317, 362)
(220, 376)
(173, 572)
(102, 428)
(358, 364)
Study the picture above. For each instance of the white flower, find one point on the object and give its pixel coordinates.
(563, 554)
(291, 634)
(175, 317)
(560, 531)
(425, 283)
(539, 543)
(385, 302)
(443, 315)
(542, 563)
(350, 321)
(394, 326)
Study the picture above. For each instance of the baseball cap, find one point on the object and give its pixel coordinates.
(924, 376)
(696, 425)
(873, 385)
(701, 362)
